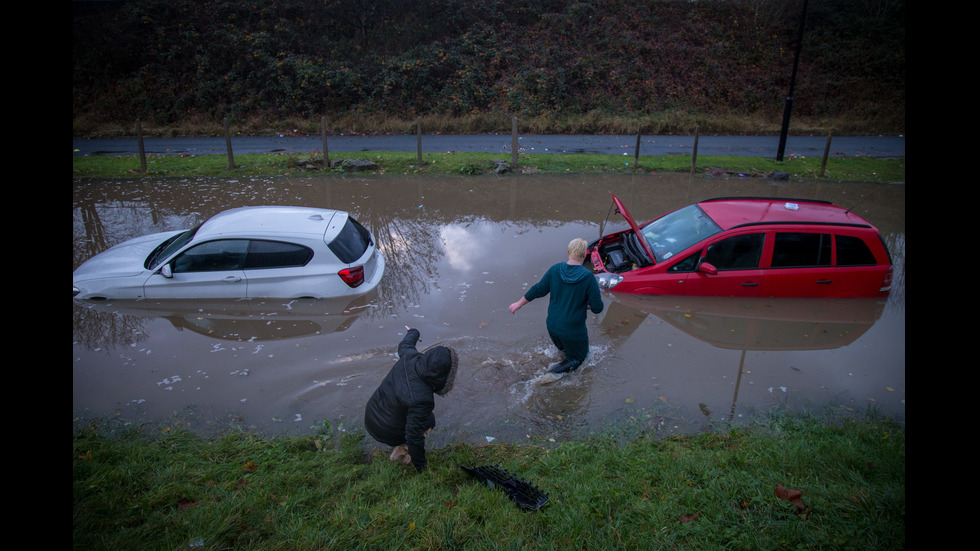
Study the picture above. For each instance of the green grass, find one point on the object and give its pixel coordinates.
(844, 169)
(156, 488)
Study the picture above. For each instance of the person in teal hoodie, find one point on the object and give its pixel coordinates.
(574, 290)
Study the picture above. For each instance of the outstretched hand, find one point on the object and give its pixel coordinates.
(518, 305)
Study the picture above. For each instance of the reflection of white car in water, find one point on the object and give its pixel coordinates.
(255, 320)
(247, 252)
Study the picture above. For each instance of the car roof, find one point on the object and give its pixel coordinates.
(729, 212)
(273, 221)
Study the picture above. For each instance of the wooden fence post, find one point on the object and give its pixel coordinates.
(636, 154)
(694, 156)
(826, 152)
(231, 156)
(323, 134)
(514, 147)
(139, 134)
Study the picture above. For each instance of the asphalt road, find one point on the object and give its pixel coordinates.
(757, 146)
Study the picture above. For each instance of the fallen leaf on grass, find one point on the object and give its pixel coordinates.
(249, 466)
(792, 496)
(685, 518)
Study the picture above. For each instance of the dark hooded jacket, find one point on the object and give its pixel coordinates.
(400, 410)
(573, 290)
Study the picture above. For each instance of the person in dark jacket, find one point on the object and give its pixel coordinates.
(574, 290)
(399, 412)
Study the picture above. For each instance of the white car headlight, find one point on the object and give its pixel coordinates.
(607, 281)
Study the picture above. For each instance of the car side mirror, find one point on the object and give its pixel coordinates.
(707, 268)
(166, 271)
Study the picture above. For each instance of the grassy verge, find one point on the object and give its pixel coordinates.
(845, 169)
(169, 489)
(884, 120)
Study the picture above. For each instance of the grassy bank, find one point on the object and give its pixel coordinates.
(169, 489)
(664, 66)
(670, 121)
(864, 169)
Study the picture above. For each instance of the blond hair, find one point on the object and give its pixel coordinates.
(577, 249)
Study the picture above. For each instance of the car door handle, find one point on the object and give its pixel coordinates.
(750, 284)
(824, 281)
(231, 279)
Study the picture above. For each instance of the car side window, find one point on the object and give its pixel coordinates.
(688, 264)
(853, 251)
(740, 252)
(276, 254)
(212, 256)
(792, 249)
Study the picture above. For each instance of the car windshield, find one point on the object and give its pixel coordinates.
(675, 232)
(167, 248)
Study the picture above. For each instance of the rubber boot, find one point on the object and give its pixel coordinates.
(564, 366)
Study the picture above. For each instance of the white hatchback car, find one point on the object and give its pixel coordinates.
(248, 252)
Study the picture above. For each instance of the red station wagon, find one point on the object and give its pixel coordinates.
(746, 247)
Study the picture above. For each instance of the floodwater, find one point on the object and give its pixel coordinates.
(459, 251)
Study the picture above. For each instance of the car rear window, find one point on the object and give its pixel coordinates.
(853, 251)
(351, 243)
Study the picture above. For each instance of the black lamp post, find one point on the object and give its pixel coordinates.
(792, 82)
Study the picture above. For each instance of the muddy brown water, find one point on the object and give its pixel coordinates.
(459, 251)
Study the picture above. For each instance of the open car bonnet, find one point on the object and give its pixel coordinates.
(121, 260)
(636, 229)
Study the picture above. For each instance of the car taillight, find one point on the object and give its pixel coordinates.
(886, 284)
(352, 276)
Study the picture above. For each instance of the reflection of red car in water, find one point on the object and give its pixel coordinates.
(750, 323)
(746, 247)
